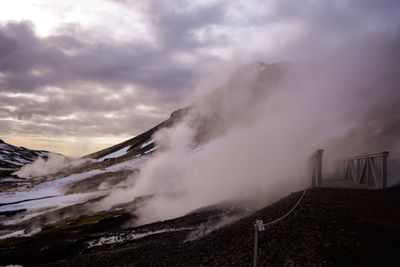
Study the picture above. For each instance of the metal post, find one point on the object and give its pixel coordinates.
(255, 246)
(339, 168)
(384, 169)
(313, 185)
(356, 178)
(318, 167)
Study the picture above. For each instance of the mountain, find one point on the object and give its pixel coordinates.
(139, 145)
(13, 157)
(259, 78)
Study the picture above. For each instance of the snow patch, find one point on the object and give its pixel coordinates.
(124, 237)
(46, 189)
(18, 233)
(151, 141)
(129, 164)
(151, 150)
(58, 201)
(116, 154)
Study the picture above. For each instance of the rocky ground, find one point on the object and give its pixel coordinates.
(330, 227)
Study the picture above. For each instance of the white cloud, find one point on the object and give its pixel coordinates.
(106, 18)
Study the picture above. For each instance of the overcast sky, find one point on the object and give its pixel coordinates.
(76, 76)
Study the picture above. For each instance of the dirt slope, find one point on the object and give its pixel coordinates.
(331, 227)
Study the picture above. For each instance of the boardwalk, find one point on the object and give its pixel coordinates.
(341, 183)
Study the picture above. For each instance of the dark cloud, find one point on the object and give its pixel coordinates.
(30, 65)
(30, 62)
(174, 26)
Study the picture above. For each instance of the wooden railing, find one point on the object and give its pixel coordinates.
(369, 170)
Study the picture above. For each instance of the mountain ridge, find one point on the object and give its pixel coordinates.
(14, 157)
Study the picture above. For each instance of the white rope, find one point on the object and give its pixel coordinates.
(256, 228)
(288, 213)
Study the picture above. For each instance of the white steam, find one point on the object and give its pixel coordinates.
(253, 136)
(46, 166)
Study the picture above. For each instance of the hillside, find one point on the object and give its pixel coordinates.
(141, 144)
(14, 157)
(331, 227)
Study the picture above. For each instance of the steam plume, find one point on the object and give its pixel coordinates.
(46, 166)
(252, 137)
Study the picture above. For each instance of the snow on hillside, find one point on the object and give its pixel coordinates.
(151, 150)
(15, 157)
(44, 190)
(151, 141)
(49, 196)
(129, 236)
(116, 154)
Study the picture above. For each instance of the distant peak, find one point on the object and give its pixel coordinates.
(179, 114)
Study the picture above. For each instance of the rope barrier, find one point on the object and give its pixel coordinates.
(260, 226)
(288, 213)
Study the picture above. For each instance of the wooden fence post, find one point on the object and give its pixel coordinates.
(384, 169)
(255, 255)
(317, 168)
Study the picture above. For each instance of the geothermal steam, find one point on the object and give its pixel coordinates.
(251, 138)
(47, 166)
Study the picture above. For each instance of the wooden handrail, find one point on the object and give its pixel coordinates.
(373, 155)
(363, 169)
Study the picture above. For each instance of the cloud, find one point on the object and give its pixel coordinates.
(29, 62)
(42, 78)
